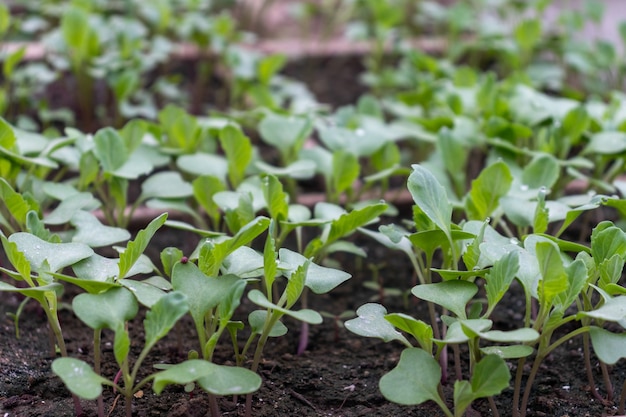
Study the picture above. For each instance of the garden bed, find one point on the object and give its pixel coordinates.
(336, 376)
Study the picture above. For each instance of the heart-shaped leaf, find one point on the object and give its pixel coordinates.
(414, 380)
(57, 255)
(453, 295)
(79, 378)
(91, 232)
(371, 322)
(163, 315)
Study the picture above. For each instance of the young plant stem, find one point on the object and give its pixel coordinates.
(589, 371)
(258, 353)
(622, 400)
(541, 355)
(494, 407)
(607, 382)
(97, 337)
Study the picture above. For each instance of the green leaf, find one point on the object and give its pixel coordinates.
(277, 200)
(56, 255)
(216, 379)
(492, 183)
(296, 283)
(204, 188)
(106, 310)
(614, 310)
(305, 315)
(169, 184)
(421, 331)
(607, 240)
(136, 247)
(16, 204)
(110, 149)
(146, 293)
(453, 295)
(70, 206)
(203, 292)
(318, 278)
(238, 150)
(508, 352)
(213, 254)
(575, 123)
(79, 378)
(542, 171)
(5, 20)
(430, 197)
(606, 143)
(528, 33)
(169, 257)
(371, 322)
(577, 274)
(414, 380)
(270, 258)
(257, 321)
(12, 59)
(609, 347)
(349, 222)
(345, 170)
(553, 276)
(204, 164)
(163, 315)
(490, 377)
(91, 232)
(286, 133)
(500, 278)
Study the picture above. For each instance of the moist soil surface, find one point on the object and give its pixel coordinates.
(337, 375)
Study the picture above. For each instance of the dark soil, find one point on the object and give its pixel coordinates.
(337, 376)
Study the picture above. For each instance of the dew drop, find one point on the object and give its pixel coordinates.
(523, 187)
(360, 132)
(514, 241)
(488, 220)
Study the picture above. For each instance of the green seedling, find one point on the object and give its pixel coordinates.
(84, 382)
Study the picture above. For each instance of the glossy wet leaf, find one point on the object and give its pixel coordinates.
(79, 378)
(371, 322)
(453, 295)
(56, 255)
(414, 380)
(306, 315)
